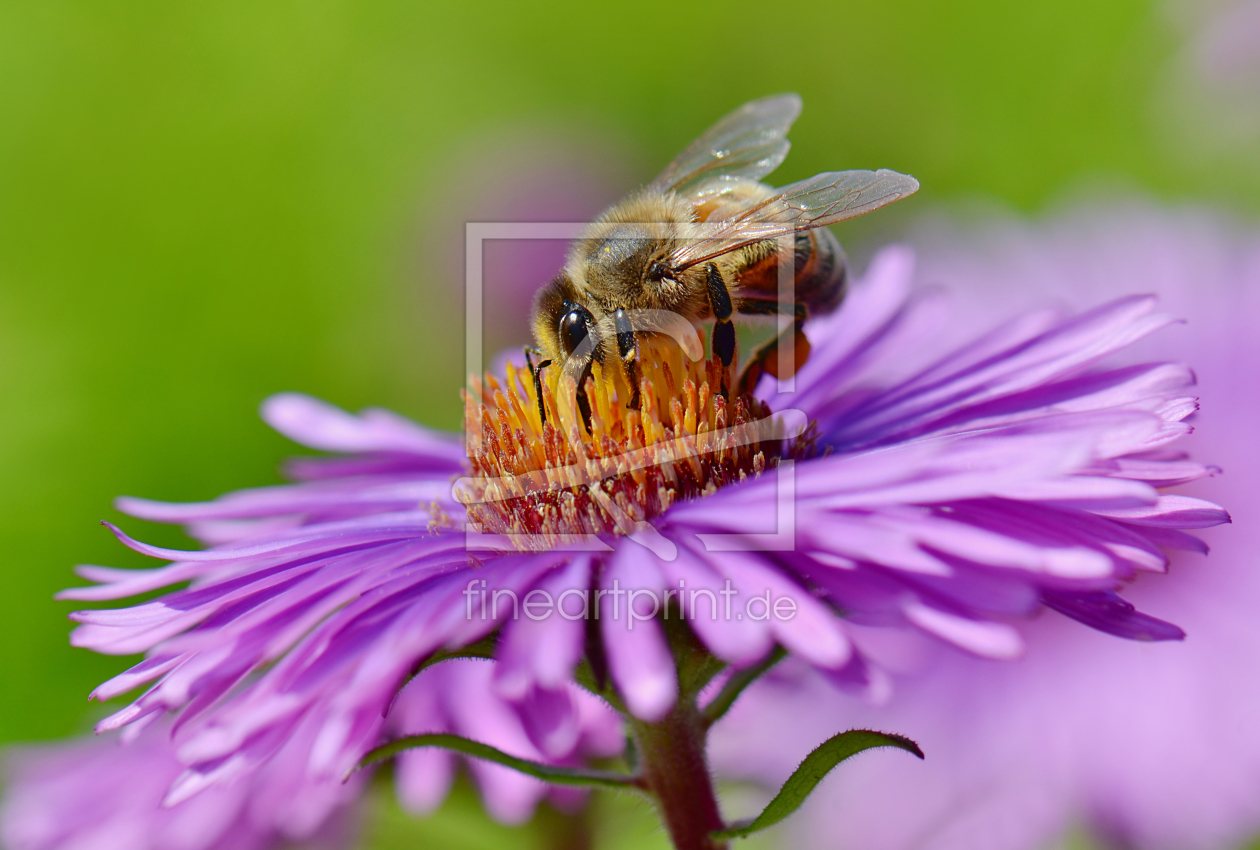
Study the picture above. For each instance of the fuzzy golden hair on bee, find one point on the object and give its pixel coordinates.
(549, 308)
(611, 260)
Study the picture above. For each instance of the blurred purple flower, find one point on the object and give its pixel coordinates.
(959, 491)
(1210, 101)
(517, 174)
(1148, 748)
(135, 794)
(1225, 49)
(106, 795)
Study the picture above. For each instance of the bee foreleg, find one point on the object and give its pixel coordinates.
(723, 329)
(627, 349)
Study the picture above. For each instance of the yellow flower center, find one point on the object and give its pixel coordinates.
(548, 481)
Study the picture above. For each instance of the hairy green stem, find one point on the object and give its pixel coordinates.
(676, 773)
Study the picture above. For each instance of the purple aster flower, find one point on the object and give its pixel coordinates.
(637, 525)
(1143, 747)
(948, 497)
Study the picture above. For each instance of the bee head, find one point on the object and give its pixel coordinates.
(562, 321)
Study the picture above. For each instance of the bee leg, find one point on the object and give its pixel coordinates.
(632, 371)
(723, 341)
(766, 359)
(629, 351)
(723, 329)
(584, 408)
(583, 401)
(535, 372)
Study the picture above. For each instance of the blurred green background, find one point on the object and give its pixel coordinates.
(203, 204)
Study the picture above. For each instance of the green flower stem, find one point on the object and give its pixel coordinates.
(674, 769)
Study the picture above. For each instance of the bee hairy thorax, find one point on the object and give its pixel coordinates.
(612, 258)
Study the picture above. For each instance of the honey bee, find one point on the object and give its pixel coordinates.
(706, 240)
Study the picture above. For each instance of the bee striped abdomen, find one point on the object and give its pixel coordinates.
(819, 275)
(822, 271)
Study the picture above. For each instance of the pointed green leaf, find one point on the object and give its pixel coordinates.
(811, 771)
(546, 772)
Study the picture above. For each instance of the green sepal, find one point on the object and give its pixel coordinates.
(554, 774)
(483, 648)
(736, 685)
(811, 771)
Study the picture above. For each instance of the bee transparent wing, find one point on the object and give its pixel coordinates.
(747, 144)
(821, 200)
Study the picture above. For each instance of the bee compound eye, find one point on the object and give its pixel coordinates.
(574, 327)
